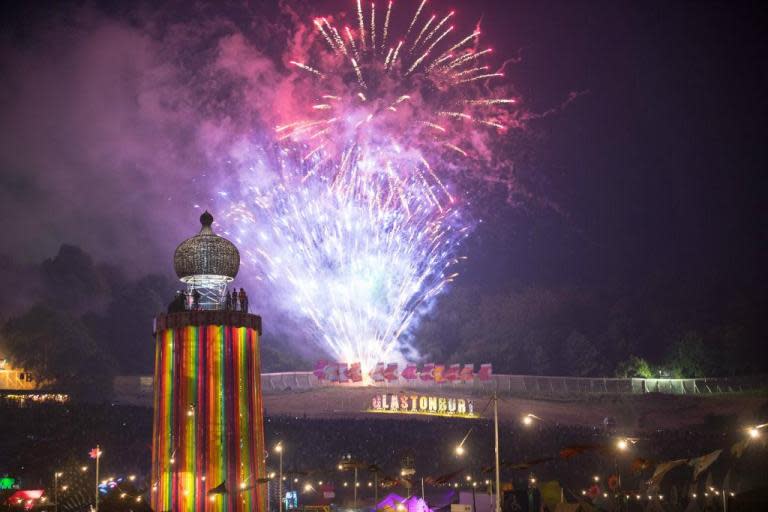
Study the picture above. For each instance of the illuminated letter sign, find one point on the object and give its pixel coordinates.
(401, 403)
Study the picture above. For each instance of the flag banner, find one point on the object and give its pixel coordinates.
(577, 449)
(95, 453)
(410, 372)
(664, 468)
(550, 493)
(219, 489)
(727, 481)
(377, 374)
(327, 371)
(528, 464)
(389, 482)
(737, 450)
(701, 464)
(640, 464)
(467, 373)
(390, 372)
(452, 373)
(439, 373)
(345, 373)
(443, 479)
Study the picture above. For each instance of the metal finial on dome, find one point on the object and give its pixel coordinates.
(206, 219)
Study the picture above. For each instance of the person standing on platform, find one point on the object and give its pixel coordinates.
(243, 301)
(227, 301)
(234, 299)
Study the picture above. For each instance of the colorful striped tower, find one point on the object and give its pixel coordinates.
(208, 444)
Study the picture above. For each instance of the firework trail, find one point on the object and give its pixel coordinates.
(359, 230)
(427, 91)
(354, 251)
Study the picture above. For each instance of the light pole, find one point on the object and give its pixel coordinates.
(96, 454)
(496, 449)
(355, 506)
(279, 450)
(622, 445)
(56, 477)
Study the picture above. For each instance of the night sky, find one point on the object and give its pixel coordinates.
(114, 124)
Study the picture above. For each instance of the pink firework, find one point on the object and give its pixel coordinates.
(409, 101)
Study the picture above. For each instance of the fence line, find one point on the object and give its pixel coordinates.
(137, 390)
(537, 385)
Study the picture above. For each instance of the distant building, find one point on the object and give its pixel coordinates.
(14, 379)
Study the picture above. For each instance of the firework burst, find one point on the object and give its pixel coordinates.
(359, 228)
(424, 89)
(355, 252)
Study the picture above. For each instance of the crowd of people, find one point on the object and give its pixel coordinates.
(39, 438)
(192, 300)
(571, 454)
(236, 301)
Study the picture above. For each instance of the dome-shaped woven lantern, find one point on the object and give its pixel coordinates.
(206, 263)
(206, 254)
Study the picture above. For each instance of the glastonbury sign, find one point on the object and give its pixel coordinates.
(430, 373)
(425, 405)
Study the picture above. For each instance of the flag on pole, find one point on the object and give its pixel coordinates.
(95, 453)
(727, 481)
(701, 464)
(219, 489)
(442, 479)
(662, 469)
(640, 464)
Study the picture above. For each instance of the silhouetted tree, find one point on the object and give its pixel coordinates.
(59, 350)
(689, 357)
(581, 355)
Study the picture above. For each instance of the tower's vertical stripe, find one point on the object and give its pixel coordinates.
(208, 417)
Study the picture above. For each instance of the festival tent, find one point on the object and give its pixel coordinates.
(393, 501)
(25, 498)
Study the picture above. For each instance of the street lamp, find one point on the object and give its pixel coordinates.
(346, 462)
(460, 450)
(496, 449)
(56, 476)
(279, 450)
(622, 444)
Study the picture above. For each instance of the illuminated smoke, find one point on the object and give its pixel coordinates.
(359, 227)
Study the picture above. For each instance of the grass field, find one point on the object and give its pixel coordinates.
(633, 412)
